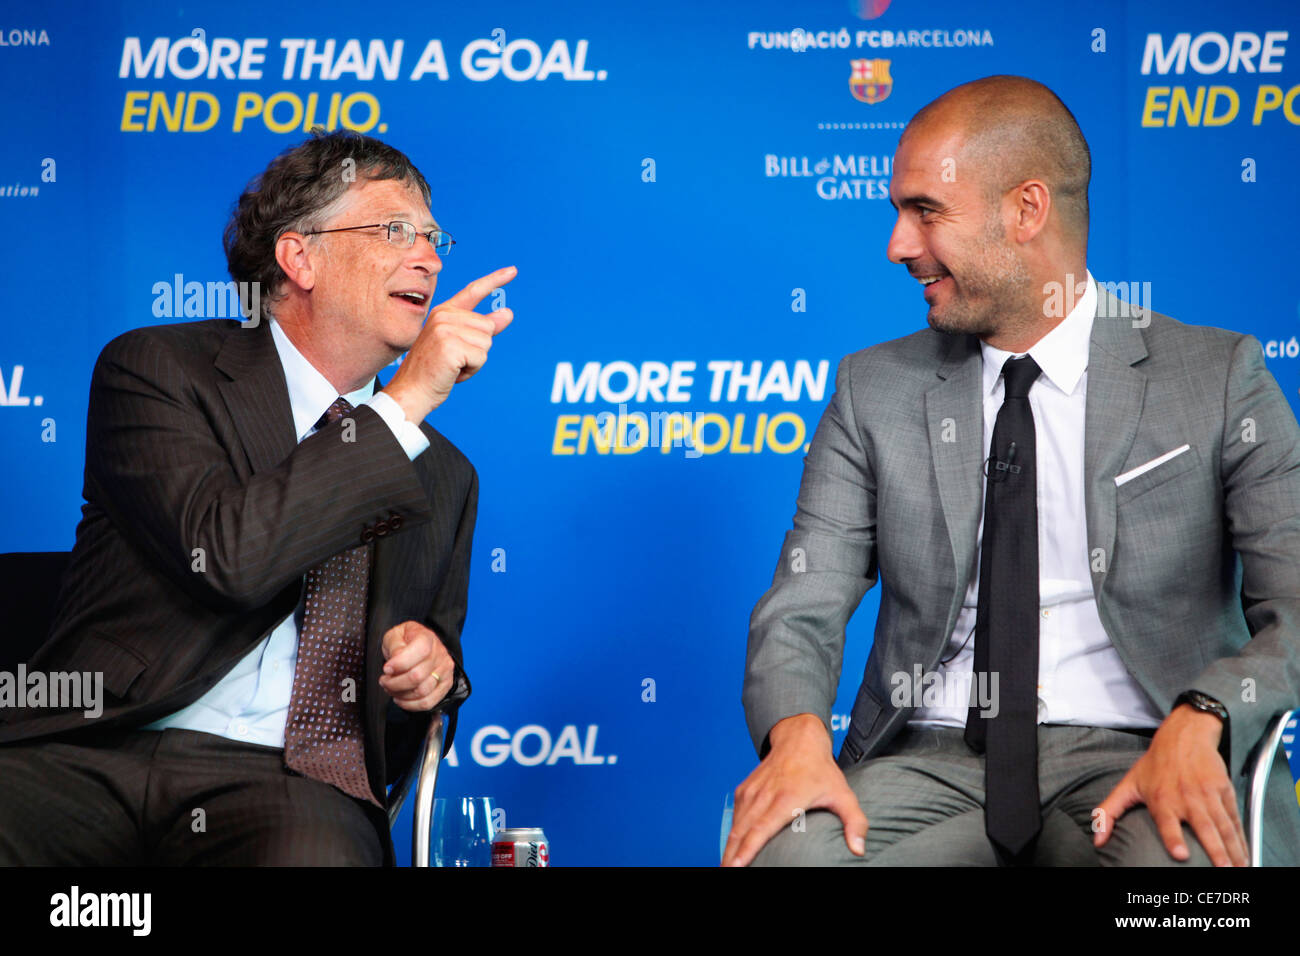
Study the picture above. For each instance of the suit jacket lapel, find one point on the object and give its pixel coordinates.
(954, 411)
(257, 395)
(386, 552)
(1114, 405)
(955, 416)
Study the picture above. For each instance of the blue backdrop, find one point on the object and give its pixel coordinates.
(695, 196)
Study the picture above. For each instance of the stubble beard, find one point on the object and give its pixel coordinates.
(994, 290)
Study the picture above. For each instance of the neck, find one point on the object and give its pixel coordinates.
(331, 353)
(1053, 294)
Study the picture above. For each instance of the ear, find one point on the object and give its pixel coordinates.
(1033, 204)
(296, 258)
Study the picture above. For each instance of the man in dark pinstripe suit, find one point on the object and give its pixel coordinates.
(213, 484)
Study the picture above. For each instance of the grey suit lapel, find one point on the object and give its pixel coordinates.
(954, 411)
(1114, 405)
(955, 417)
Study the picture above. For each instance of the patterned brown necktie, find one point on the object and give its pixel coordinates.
(323, 736)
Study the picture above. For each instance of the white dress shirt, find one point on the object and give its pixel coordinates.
(1081, 677)
(251, 703)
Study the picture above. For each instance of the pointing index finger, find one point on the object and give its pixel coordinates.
(477, 291)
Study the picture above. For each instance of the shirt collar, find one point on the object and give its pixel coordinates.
(310, 392)
(1062, 353)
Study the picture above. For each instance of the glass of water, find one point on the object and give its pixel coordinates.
(728, 809)
(462, 833)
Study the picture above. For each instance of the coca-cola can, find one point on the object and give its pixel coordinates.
(521, 846)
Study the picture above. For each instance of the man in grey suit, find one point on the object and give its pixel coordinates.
(271, 572)
(1163, 517)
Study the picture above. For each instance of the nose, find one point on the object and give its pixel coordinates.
(423, 256)
(904, 241)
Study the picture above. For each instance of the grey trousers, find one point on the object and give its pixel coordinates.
(924, 801)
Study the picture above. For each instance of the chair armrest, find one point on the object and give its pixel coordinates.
(423, 772)
(424, 787)
(1265, 754)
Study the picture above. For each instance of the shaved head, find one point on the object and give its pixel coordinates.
(1015, 129)
(991, 186)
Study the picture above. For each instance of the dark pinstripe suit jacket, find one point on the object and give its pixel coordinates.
(190, 444)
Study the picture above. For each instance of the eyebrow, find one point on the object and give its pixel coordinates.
(405, 217)
(919, 200)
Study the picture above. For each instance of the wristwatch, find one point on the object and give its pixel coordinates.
(1206, 703)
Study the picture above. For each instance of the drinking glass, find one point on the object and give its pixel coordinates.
(462, 831)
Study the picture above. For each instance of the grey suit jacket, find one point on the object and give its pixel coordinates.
(1196, 563)
(190, 444)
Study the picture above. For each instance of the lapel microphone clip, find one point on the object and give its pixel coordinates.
(996, 469)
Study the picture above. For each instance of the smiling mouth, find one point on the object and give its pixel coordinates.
(928, 282)
(417, 299)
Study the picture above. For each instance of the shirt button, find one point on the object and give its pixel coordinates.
(242, 730)
(1046, 613)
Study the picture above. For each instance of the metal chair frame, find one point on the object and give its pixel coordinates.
(424, 772)
(1261, 766)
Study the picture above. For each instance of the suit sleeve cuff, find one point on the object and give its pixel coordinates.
(406, 432)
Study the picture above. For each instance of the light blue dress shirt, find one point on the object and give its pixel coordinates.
(251, 703)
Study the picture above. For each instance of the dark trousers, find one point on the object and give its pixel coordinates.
(175, 797)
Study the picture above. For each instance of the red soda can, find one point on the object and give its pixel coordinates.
(521, 846)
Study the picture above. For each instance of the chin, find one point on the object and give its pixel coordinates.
(396, 350)
(402, 335)
(958, 323)
(943, 323)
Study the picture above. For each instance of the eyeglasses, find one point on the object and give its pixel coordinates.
(402, 235)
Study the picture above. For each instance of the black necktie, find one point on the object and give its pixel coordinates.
(1006, 624)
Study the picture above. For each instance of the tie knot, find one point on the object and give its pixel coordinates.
(336, 411)
(1019, 374)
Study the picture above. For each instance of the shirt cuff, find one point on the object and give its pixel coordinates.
(408, 433)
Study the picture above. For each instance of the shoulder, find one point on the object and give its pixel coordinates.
(1201, 357)
(1166, 336)
(903, 363)
(157, 346)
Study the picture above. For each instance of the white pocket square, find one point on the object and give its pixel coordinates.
(1153, 463)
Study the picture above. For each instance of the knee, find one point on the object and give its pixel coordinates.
(814, 839)
(1136, 841)
(273, 846)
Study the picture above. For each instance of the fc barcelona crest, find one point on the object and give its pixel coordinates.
(870, 81)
